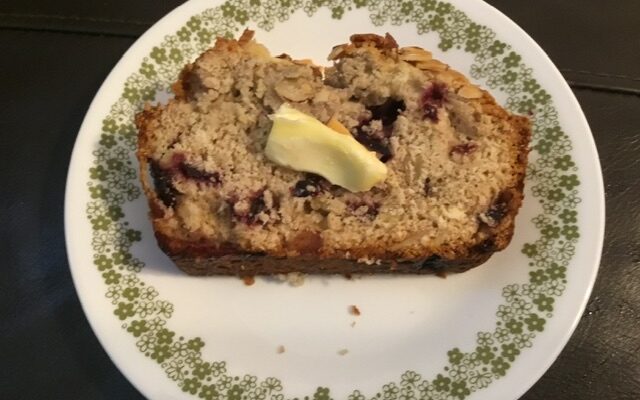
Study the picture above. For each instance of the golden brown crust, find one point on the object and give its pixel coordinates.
(144, 121)
(251, 265)
(305, 253)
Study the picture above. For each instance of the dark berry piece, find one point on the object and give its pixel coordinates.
(304, 188)
(374, 143)
(201, 176)
(388, 111)
(431, 112)
(247, 210)
(257, 206)
(372, 211)
(427, 187)
(165, 190)
(311, 185)
(498, 209)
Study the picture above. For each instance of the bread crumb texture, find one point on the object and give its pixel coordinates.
(455, 159)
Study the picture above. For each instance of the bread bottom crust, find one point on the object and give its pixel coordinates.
(251, 265)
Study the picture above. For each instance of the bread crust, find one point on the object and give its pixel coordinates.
(202, 257)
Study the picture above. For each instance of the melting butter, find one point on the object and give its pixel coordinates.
(301, 142)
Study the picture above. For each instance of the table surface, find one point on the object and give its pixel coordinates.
(55, 55)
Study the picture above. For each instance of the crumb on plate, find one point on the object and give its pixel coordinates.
(248, 280)
(292, 278)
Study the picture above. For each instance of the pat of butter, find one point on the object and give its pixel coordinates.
(301, 142)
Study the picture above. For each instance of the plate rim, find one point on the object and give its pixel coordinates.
(158, 29)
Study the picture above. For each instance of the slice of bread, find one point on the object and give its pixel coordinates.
(456, 162)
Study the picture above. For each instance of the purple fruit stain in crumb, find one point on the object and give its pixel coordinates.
(433, 98)
(435, 94)
(177, 158)
(464, 148)
(201, 176)
(165, 190)
(179, 165)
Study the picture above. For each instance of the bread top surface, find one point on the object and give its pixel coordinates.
(456, 159)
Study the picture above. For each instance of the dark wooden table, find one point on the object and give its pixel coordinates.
(54, 56)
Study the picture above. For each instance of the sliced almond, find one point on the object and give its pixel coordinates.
(470, 92)
(246, 36)
(414, 54)
(432, 65)
(336, 52)
(317, 70)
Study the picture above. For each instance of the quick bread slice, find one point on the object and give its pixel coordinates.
(456, 162)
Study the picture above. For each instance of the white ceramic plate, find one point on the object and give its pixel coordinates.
(489, 333)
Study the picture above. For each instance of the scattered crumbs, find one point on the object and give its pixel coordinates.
(348, 276)
(353, 310)
(248, 280)
(292, 278)
(295, 278)
(353, 323)
(343, 352)
(280, 349)
(280, 277)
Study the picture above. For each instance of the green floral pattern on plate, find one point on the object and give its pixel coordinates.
(552, 177)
